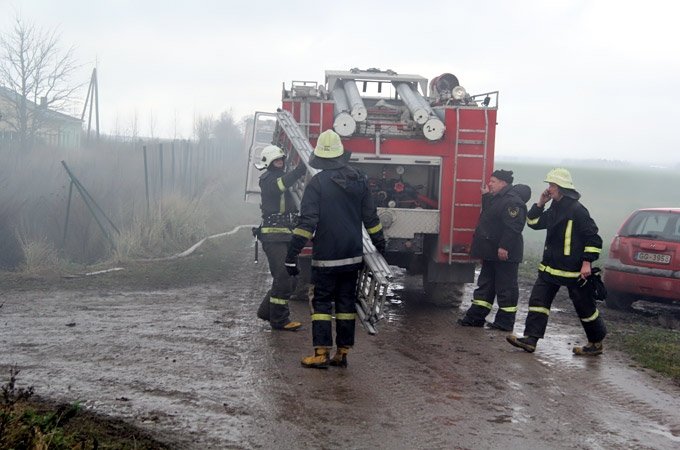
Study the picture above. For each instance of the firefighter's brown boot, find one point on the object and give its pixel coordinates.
(592, 349)
(320, 359)
(526, 343)
(340, 357)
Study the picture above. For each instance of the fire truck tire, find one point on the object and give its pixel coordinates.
(447, 295)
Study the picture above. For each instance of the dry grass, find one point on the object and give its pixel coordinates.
(40, 257)
(178, 224)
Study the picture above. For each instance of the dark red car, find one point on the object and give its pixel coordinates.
(644, 258)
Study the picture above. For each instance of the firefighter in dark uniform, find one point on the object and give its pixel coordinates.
(335, 204)
(498, 243)
(278, 217)
(572, 244)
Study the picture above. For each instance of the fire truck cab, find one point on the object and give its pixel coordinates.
(426, 149)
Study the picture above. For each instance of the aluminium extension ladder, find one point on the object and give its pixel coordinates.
(375, 275)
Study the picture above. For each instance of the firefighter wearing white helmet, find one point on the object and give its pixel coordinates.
(269, 154)
(278, 216)
(335, 204)
(572, 244)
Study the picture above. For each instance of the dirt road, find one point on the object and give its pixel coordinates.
(196, 369)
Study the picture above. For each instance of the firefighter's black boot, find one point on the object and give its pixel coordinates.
(340, 357)
(495, 326)
(526, 343)
(318, 361)
(592, 349)
(290, 326)
(467, 322)
(263, 309)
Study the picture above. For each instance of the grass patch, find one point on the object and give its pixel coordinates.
(650, 346)
(29, 423)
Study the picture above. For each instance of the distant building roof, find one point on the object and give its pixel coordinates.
(55, 115)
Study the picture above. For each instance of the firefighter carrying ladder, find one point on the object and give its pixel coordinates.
(375, 275)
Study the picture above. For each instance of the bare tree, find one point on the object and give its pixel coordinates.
(134, 126)
(36, 75)
(203, 127)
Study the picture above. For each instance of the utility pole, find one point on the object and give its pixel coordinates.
(92, 100)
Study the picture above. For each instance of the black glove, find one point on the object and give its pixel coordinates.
(300, 170)
(292, 267)
(380, 246)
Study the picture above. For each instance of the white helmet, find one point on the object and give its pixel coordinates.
(269, 154)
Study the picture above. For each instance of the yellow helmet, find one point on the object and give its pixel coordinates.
(329, 145)
(269, 154)
(560, 177)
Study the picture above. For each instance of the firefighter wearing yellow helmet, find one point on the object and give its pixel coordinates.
(572, 244)
(278, 216)
(335, 204)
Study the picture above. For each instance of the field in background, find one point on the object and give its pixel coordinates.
(609, 193)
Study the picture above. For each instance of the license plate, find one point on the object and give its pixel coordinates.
(656, 258)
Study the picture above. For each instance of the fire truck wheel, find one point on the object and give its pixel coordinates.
(447, 295)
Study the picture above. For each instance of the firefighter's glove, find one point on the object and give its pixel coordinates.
(380, 245)
(292, 267)
(300, 170)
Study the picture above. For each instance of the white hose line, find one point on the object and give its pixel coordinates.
(191, 249)
(186, 252)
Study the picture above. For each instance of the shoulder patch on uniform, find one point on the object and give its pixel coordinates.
(513, 211)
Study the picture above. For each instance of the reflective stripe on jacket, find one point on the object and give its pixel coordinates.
(277, 204)
(571, 236)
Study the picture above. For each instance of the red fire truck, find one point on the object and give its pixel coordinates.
(426, 147)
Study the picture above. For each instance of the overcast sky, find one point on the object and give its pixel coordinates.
(577, 79)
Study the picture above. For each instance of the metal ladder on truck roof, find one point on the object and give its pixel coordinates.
(375, 275)
(457, 155)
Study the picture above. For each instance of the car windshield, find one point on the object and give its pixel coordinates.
(662, 225)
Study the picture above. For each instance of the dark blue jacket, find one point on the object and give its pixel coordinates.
(334, 206)
(500, 224)
(572, 237)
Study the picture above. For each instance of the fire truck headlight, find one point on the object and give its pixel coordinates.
(458, 93)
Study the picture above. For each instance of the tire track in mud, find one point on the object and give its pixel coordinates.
(459, 401)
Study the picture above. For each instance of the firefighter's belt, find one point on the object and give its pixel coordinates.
(280, 221)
